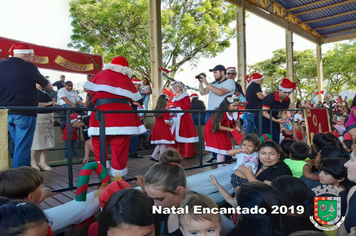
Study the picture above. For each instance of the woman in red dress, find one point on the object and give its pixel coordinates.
(161, 133)
(183, 128)
(217, 138)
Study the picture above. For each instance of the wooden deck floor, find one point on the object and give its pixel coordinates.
(58, 177)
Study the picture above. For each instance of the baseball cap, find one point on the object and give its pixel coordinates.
(218, 67)
(203, 74)
(69, 82)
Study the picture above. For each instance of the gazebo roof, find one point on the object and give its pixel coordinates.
(325, 20)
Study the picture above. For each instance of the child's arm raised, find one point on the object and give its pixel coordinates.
(233, 152)
(223, 192)
(307, 172)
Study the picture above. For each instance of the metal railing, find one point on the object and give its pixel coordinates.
(100, 116)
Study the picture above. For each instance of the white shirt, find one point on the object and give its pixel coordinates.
(298, 116)
(215, 100)
(72, 96)
(247, 160)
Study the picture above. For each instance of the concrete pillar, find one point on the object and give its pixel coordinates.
(319, 68)
(241, 44)
(155, 48)
(289, 61)
(4, 152)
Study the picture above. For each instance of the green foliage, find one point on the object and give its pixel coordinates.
(274, 70)
(191, 29)
(339, 67)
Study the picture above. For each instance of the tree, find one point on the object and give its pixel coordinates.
(339, 67)
(191, 29)
(274, 70)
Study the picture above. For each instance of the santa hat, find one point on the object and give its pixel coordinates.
(254, 77)
(287, 86)
(120, 65)
(347, 136)
(111, 189)
(230, 69)
(20, 48)
(194, 95)
(136, 81)
(179, 83)
(74, 117)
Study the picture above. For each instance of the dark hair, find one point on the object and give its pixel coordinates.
(263, 196)
(321, 140)
(253, 138)
(167, 175)
(133, 76)
(195, 99)
(353, 102)
(330, 152)
(336, 168)
(19, 182)
(307, 233)
(271, 144)
(299, 151)
(161, 105)
(294, 192)
(285, 145)
(224, 105)
(127, 206)
(16, 216)
(298, 103)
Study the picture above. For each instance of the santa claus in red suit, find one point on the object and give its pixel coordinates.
(113, 90)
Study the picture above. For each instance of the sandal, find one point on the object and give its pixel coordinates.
(45, 167)
(34, 165)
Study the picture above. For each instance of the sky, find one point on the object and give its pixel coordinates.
(47, 22)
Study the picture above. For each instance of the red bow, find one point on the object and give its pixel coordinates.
(165, 70)
(321, 92)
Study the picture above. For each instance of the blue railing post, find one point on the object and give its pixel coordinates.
(200, 140)
(102, 137)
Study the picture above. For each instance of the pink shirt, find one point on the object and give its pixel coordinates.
(352, 118)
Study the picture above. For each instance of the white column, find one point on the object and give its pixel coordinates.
(241, 44)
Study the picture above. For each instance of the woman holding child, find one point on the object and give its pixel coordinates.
(270, 165)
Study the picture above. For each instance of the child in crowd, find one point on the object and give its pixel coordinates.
(161, 133)
(22, 218)
(76, 123)
(348, 143)
(23, 183)
(193, 223)
(247, 156)
(128, 212)
(285, 146)
(299, 151)
(217, 138)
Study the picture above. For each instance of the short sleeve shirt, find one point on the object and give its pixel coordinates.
(18, 84)
(215, 100)
(271, 101)
(72, 96)
(251, 96)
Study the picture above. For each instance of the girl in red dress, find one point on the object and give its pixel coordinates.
(183, 128)
(217, 137)
(161, 133)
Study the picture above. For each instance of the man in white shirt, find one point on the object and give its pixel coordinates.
(67, 97)
(217, 90)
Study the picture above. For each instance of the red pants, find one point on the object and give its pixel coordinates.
(120, 145)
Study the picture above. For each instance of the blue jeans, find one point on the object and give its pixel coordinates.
(146, 99)
(207, 116)
(22, 129)
(196, 119)
(74, 145)
(251, 122)
(133, 144)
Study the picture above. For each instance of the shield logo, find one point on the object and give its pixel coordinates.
(327, 210)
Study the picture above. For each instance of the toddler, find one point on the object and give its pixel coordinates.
(193, 223)
(247, 156)
(298, 152)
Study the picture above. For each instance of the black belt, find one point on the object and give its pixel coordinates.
(102, 101)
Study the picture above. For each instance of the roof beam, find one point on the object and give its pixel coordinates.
(329, 26)
(280, 18)
(326, 7)
(329, 17)
(307, 5)
(338, 38)
(338, 32)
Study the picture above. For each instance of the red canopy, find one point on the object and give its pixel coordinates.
(57, 59)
